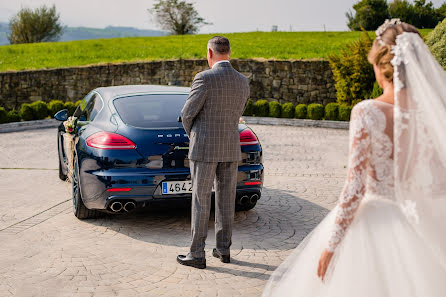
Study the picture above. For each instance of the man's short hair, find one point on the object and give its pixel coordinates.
(219, 44)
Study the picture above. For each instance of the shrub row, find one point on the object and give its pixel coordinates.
(262, 108)
(37, 110)
(314, 111)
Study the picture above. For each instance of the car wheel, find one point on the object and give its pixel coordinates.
(79, 209)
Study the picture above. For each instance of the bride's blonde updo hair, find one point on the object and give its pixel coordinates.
(380, 53)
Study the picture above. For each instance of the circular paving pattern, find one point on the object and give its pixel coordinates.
(135, 254)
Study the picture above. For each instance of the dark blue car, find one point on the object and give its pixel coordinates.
(131, 150)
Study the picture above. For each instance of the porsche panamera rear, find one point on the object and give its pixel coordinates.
(131, 150)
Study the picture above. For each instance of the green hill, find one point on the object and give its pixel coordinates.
(83, 33)
(268, 45)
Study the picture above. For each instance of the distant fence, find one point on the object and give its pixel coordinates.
(295, 81)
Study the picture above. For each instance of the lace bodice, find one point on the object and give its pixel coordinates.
(370, 165)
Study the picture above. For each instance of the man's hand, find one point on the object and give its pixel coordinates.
(324, 261)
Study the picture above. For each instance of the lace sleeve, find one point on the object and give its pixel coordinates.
(354, 187)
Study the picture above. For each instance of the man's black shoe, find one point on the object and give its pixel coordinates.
(223, 258)
(188, 260)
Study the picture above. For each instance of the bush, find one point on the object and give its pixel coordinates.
(376, 92)
(261, 108)
(275, 109)
(352, 71)
(3, 115)
(344, 112)
(78, 102)
(13, 116)
(249, 109)
(27, 112)
(288, 110)
(40, 110)
(315, 111)
(54, 106)
(436, 41)
(332, 111)
(301, 111)
(71, 107)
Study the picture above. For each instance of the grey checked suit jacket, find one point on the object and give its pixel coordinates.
(211, 114)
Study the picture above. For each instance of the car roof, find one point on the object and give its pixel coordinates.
(118, 91)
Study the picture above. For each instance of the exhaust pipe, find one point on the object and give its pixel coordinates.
(116, 206)
(254, 198)
(244, 200)
(129, 206)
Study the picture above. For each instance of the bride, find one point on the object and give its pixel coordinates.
(387, 234)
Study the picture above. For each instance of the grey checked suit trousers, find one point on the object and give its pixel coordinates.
(210, 117)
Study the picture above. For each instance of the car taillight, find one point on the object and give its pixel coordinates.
(109, 141)
(253, 183)
(119, 189)
(247, 137)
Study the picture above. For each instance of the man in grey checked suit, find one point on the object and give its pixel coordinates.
(210, 117)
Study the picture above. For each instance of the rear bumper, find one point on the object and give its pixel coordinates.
(145, 185)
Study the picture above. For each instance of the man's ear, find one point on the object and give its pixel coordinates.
(211, 54)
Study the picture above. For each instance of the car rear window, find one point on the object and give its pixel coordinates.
(151, 111)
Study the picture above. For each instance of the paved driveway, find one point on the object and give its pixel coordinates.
(46, 251)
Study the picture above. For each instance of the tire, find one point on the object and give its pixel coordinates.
(79, 209)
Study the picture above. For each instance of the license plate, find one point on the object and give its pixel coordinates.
(176, 187)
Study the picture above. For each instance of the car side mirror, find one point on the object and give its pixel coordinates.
(61, 115)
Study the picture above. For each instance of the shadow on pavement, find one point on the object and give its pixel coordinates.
(279, 221)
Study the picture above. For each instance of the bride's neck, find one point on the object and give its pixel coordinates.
(388, 95)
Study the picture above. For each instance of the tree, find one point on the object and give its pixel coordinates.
(442, 11)
(39, 25)
(403, 10)
(177, 17)
(426, 15)
(369, 14)
(372, 13)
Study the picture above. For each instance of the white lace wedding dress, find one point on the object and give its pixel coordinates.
(376, 250)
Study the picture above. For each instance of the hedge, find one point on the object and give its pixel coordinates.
(249, 109)
(288, 110)
(71, 107)
(301, 111)
(27, 112)
(261, 108)
(40, 110)
(13, 116)
(54, 106)
(332, 111)
(344, 112)
(275, 109)
(315, 111)
(3, 115)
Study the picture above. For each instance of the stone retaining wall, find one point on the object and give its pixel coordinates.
(297, 81)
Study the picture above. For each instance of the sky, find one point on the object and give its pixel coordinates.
(226, 16)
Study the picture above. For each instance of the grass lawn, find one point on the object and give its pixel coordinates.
(268, 45)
